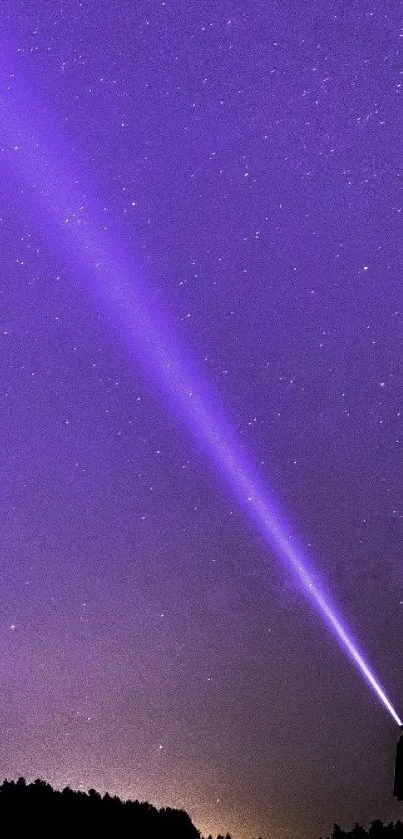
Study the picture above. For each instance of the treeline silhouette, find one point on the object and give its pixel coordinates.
(37, 810)
(377, 830)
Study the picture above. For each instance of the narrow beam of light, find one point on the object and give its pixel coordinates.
(51, 190)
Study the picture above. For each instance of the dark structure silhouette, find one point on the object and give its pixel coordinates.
(398, 785)
(38, 810)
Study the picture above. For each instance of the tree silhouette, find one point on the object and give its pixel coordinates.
(38, 810)
(377, 830)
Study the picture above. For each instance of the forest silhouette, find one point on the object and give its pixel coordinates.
(377, 830)
(37, 810)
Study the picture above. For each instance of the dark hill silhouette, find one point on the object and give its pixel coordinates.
(37, 810)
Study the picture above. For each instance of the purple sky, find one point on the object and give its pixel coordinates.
(245, 157)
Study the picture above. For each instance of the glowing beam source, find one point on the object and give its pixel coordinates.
(57, 197)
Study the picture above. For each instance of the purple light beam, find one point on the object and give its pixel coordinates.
(51, 191)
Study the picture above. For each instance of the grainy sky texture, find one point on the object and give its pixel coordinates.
(246, 159)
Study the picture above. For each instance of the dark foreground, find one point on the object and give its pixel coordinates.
(37, 810)
(378, 830)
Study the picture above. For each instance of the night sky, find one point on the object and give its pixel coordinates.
(244, 158)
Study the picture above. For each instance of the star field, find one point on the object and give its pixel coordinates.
(247, 158)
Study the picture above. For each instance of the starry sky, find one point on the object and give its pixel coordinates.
(245, 156)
